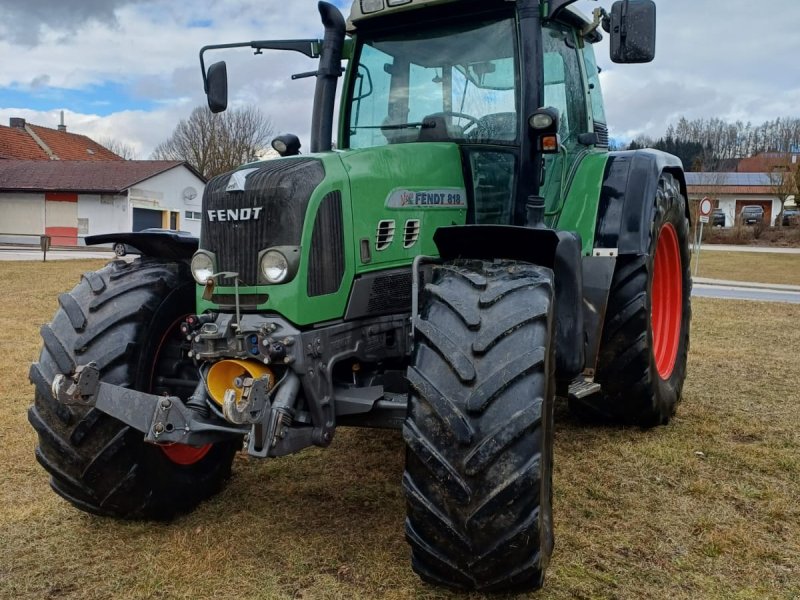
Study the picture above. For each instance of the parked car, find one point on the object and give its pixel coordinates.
(791, 216)
(718, 218)
(121, 249)
(752, 215)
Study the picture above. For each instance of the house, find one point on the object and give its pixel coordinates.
(24, 141)
(69, 199)
(732, 191)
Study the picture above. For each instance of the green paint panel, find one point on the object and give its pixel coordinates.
(583, 199)
(402, 184)
(291, 299)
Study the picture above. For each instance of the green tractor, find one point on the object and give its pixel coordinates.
(468, 252)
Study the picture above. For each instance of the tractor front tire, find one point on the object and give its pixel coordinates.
(643, 351)
(479, 429)
(123, 317)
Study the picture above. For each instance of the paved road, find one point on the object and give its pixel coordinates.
(726, 248)
(703, 288)
(20, 252)
(744, 292)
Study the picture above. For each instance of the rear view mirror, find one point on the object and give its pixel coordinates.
(217, 87)
(633, 31)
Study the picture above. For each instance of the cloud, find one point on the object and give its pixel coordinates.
(732, 60)
(25, 20)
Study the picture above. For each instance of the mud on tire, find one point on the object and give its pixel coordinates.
(119, 318)
(640, 370)
(479, 430)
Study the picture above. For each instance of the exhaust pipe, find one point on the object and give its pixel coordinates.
(330, 69)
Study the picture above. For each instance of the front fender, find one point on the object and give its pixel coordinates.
(151, 243)
(556, 250)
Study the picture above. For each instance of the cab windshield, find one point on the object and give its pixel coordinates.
(446, 83)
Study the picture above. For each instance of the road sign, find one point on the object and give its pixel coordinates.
(704, 219)
(706, 207)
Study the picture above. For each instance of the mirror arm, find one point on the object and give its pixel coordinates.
(600, 17)
(311, 48)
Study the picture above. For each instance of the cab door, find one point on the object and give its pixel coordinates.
(565, 89)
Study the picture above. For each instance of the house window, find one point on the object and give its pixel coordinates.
(192, 216)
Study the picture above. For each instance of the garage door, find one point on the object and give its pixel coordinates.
(144, 218)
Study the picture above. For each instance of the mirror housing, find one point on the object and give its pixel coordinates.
(633, 31)
(217, 87)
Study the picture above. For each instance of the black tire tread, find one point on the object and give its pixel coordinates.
(97, 463)
(479, 430)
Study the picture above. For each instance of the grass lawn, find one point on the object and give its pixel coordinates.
(706, 507)
(760, 267)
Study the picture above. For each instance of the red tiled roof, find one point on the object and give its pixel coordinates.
(100, 177)
(72, 146)
(17, 143)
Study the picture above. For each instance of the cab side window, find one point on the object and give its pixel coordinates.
(593, 78)
(563, 84)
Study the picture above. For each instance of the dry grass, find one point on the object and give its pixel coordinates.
(704, 508)
(761, 267)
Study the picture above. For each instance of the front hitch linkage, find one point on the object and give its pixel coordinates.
(163, 419)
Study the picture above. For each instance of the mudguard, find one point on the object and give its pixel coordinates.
(630, 183)
(151, 243)
(557, 250)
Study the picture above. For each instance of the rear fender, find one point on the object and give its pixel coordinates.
(630, 183)
(556, 250)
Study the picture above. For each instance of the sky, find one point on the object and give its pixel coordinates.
(128, 69)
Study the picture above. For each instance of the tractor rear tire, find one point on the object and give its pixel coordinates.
(479, 428)
(124, 317)
(642, 361)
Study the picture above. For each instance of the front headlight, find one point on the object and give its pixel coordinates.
(202, 267)
(278, 264)
(274, 266)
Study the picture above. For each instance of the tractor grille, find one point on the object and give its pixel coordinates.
(281, 189)
(326, 258)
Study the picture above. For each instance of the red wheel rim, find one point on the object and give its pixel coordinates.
(667, 301)
(180, 454)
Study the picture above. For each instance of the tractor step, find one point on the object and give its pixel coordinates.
(582, 388)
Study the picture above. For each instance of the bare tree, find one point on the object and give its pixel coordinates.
(118, 147)
(216, 143)
(783, 184)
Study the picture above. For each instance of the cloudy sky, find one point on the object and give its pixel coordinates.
(128, 69)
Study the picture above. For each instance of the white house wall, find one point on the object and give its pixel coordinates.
(166, 190)
(728, 206)
(98, 214)
(21, 214)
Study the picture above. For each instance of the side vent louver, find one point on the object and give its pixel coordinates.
(326, 263)
(385, 234)
(602, 134)
(410, 233)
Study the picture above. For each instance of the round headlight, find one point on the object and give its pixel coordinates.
(202, 267)
(274, 266)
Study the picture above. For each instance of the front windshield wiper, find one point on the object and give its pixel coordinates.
(421, 125)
